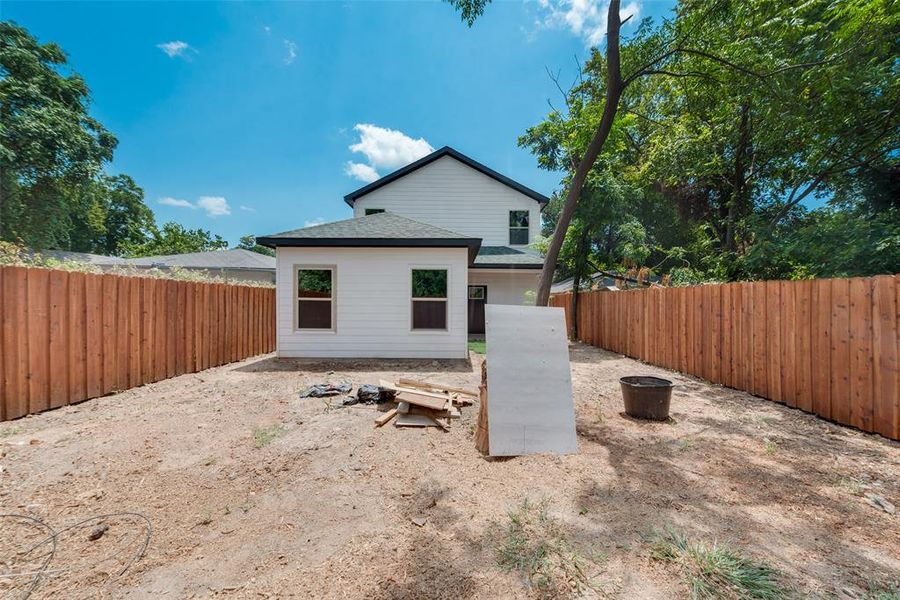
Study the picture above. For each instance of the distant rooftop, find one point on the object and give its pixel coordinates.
(237, 258)
(506, 257)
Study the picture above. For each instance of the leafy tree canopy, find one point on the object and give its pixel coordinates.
(174, 238)
(248, 242)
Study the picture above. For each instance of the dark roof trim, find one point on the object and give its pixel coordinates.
(473, 244)
(440, 153)
(506, 266)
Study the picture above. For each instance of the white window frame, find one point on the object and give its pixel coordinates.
(445, 300)
(527, 228)
(296, 298)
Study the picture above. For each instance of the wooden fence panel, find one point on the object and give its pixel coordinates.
(68, 336)
(830, 347)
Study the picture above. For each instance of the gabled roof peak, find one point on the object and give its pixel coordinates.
(440, 153)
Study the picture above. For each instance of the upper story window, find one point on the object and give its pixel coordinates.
(315, 298)
(374, 211)
(518, 228)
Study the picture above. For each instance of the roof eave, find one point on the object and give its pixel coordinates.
(473, 244)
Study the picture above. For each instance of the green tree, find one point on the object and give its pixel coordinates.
(174, 238)
(248, 242)
(108, 214)
(48, 141)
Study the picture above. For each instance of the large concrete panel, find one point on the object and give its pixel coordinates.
(530, 407)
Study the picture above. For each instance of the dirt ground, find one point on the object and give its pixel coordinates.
(254, 492)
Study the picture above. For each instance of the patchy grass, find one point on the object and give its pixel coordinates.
(770, 446)
(714, 571)
(9, 431)
(477, 346)
(880, 592)
(535, 545)
(263, 436)
(685, 444)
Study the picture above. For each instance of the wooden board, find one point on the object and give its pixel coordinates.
(381, 420)
(437, 387)
(530, 384)
(424, 401)
(411, 420)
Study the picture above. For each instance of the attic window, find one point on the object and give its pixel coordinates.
(374, 211)
(429, 299)
(315, 298)
(518, 228)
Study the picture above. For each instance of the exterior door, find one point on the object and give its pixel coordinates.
(477, 299)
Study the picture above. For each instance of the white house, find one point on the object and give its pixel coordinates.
(408, 276)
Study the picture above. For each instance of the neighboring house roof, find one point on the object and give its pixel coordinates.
(237, 259)
(440, 153)
(83, 257)
(378, 230)
(599, 281)
(504, 257)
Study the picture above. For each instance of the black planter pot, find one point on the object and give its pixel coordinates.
(646, 397)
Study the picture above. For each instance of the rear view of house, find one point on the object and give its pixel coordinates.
(409, 275)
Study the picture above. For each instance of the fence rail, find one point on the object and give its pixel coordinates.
(826, 346)
(67, 336)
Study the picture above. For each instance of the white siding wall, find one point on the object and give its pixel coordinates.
(509, 286)
(372, 295)
(454, 196)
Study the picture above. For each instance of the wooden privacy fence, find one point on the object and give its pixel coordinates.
(826, 346)
(66, 336)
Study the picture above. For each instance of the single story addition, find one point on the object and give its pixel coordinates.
(409, 275)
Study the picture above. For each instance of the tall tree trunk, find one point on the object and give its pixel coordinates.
(614, 87)
(739, 178)
(581, 265)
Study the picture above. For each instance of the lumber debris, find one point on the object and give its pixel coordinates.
(425, 403)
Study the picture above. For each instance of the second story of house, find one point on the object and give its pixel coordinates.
(450, 190)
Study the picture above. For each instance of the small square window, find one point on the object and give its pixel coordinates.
(374, 211)
(429, 299)
(518, 227)
(315, 289)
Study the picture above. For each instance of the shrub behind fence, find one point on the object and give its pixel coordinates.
(826, 346)
(68, 336)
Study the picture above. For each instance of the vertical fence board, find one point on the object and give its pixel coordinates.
(59, 344)
(93, 292)
(820, 347)
(38, 310)
(804, 332)
(788, 343)
(171, 304)
(861, 408)
(840, 350)
(134, 331)
(886, 383)
(14, 342)
(123, 326)
(147, 330)
(77, 338)
(160, 318)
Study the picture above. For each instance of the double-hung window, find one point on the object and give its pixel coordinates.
(315, 298)
(429, 299)
(518, 228)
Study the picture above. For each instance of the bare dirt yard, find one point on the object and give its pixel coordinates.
(253, 492)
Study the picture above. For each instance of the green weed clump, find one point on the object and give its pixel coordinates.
(713, 571)
(263, 436)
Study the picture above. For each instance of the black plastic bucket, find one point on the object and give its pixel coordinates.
(646, 397)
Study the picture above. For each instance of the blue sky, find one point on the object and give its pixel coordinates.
(239, 117)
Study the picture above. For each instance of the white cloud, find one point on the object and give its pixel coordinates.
(176, 202)
(384, 149)
(215, 206)
(291, 48)
(584, 18)
(247, 208)
(314, 222)
(267, 29)
(361, 171)
(176, 48)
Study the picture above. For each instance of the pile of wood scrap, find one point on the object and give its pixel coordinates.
(424, 404)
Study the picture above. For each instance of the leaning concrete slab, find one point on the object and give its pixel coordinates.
(529, 384)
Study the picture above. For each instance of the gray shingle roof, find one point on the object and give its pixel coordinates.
(237, 258)
(384, 225)
(504, 256)
(378, 230)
